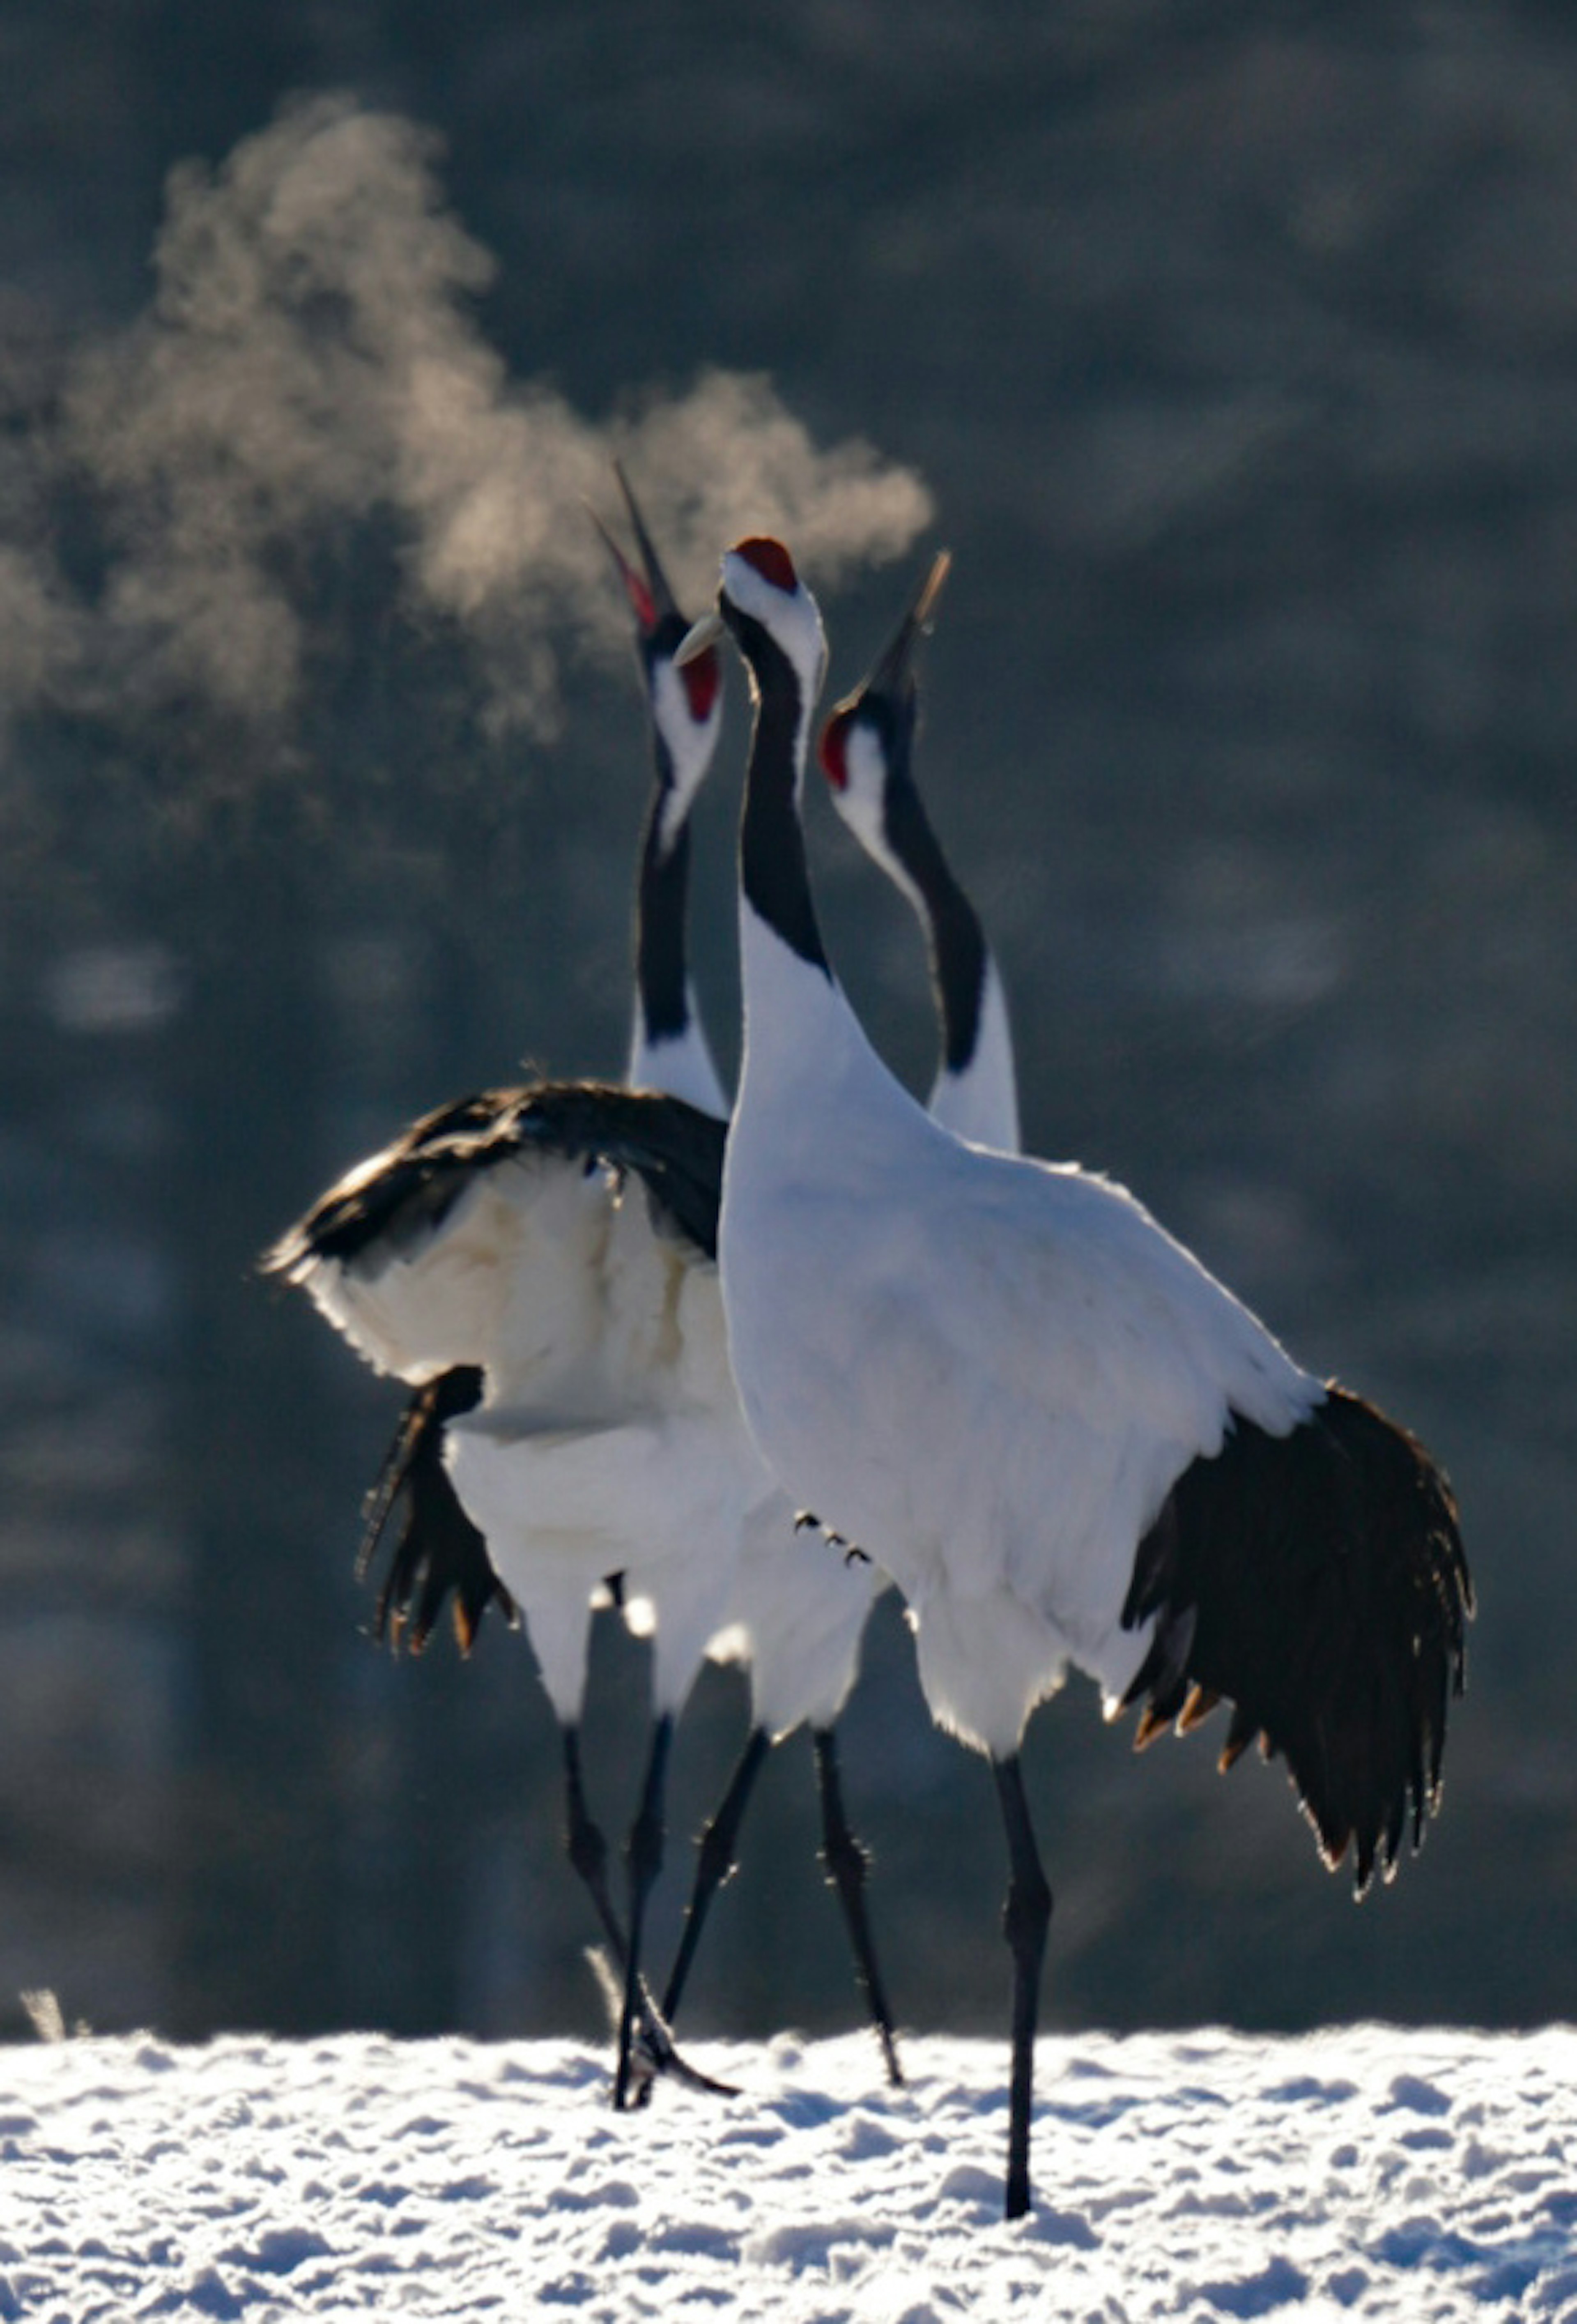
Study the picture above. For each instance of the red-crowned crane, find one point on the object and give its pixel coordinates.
(1065, 1439)
(499, 1257)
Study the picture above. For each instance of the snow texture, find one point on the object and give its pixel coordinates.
(1360, 2171)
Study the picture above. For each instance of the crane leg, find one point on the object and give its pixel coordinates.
(847, 1865)
(584, 1846)
(643, 1858)
(1026, 1918)
(588, 1853)
(714, 1861)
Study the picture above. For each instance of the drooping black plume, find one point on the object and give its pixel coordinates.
(1317, 1582)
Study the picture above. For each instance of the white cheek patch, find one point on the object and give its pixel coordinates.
(789, 617)
(861, 803)
(690, 743)
(860, 799)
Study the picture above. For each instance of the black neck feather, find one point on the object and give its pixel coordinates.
(662, 894)
(772, 866)
(958, 949)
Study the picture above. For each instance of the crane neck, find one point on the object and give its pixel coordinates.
(975, 1094)
(954, 939)
(668, 1049)
(774, 877)
(811, 1087)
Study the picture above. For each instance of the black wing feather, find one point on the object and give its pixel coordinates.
(439, 1551)
(1318, 1581)
(408, 1191)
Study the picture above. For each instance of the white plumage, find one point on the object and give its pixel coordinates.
(651, 1476)
(1061, 1435)
(1013, 1540)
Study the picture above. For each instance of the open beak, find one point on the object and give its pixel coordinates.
(648, 589)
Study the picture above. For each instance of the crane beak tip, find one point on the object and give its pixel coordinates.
(926, 605)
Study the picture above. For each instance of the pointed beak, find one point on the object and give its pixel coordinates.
(651, 597)
(891, 674)
(706, 632)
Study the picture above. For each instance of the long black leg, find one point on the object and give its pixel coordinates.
(584, 1846)
(643, 1855)
(847, 1863)
(1026, 1918)
(714, 1861)
(588, 1853)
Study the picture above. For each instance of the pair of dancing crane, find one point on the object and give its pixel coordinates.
(646, 1333)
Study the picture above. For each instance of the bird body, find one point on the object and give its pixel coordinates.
(797, 1612)
(642, 1467)
(1112, 1360)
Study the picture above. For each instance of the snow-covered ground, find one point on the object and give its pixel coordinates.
(1358, 2171)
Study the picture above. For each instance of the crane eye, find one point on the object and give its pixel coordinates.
(701, 679)
(834, 751)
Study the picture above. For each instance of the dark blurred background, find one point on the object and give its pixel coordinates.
(1233, 351)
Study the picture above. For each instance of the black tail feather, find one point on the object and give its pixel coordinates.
(1318, 1581)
